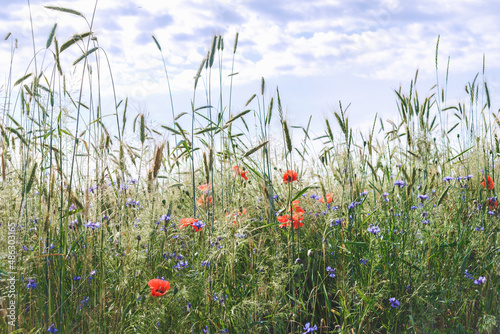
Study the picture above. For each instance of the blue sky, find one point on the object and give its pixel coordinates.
(317, 52)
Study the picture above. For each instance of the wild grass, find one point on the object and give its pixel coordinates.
(399, 213)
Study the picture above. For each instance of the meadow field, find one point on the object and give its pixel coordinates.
(213, 222)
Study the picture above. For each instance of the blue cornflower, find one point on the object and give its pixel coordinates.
(92, 225)
(52, 328)
(181, 264)
(479, 228)
(316, 197)
(77, 278)
(309, 329)
(92, 188)
(423, 197)
(133, 181)
(31, 284)
(448, 179)
(336, 222)
(400, 183)
(331, 271)
(480, 280)
(425, 221)
(394, 302)
(165, 218)
(468, 275)
(239, 235)
(198, 225)
(205, 263)
(373, 229)
(363, 261)
(72, 207)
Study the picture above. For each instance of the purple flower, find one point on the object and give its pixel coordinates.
(165, 218)
(447, 179)
(331, 271)
(480, 280)
(316, 197)
(400, 183)
(363, 261)
(77, 278)
(425, 221)
(373, 229)
(468, 275)
(479, 228)
(72, 207)
(52, 328)
(336, 222)
(239, 235)
(394, 302)
(423, 197)
(180, 265)
(92, 225)
(199, 224)
(309, 329)
(31, 284)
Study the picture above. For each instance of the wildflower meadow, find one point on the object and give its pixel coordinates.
(217, 221)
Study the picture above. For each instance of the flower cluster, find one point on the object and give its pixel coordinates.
(296, 217)
(195, 223)
(373, 229)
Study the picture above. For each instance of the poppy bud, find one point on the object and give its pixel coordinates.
(138, 238)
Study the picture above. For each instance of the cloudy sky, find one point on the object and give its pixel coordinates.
(317, 52)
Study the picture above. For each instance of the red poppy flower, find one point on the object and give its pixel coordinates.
(187, 222)
(491, 184)
(297, 209)
(239, 171)
(296, 220)
(329, 198)
(205, 187)
(492, 203)
(203, 200)
(191, 222)
(289, 176)
(158, 287)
